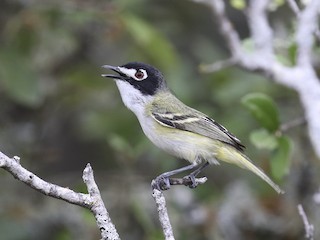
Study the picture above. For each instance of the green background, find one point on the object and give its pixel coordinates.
(57, 113)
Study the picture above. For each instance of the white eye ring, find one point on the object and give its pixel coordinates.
(140, 75)
(137, 75)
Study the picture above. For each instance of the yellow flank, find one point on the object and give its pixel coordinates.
(185, 145)
(194, 147)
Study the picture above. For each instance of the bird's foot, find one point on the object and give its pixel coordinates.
(161, 183)
(192, 180)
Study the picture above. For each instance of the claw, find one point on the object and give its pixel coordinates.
(192, 178)
(161, 183)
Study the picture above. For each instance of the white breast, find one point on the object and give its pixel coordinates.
(133, 98)
(136, 102)
(181, 144)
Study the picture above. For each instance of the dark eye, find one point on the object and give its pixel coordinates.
(139, 74)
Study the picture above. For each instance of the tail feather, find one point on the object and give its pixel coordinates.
(231, 155)
(246, 163)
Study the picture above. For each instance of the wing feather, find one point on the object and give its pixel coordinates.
(196, 122)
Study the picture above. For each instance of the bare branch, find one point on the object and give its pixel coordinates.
(91, 201)
(316, 197)
(187, 181)
(294, 7)
(163, 214)
(261, 31)
(309, 228)
(13, 166)
(307, 25)
(161, 202)
(301, 78)
(107, 228)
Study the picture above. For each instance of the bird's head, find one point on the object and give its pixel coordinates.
(143, 77)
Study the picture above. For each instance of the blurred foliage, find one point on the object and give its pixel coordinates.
(270, 137)
(280, 159)
(238, 4)
(263, 109)
(151, 41)
(57, 114)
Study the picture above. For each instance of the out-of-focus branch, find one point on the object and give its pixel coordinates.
(226, 27)
(163, 214)
(309, 228)
(91, 201)
(316, 197)
(293, 123)
(260, 29)
(262, 58)
(217, 66)
(306, 27)
(294, 7)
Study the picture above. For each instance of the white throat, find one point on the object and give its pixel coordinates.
(133, 98)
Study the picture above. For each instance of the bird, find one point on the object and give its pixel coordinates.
(176, 128)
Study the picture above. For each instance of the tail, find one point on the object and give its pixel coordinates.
(231, 155)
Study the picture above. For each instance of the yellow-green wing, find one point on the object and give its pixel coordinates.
(185, 118)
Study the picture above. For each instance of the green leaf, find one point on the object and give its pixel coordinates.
(263, 109)
(281, 157)
(238, 4)
(289, 59)
(263, 139)
(292, 53)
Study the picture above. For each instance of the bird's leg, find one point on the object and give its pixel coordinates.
(162, 182)
(192, 175)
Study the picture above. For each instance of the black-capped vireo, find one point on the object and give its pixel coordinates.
(176, 128)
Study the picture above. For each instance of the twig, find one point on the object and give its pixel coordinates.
(91, 201)
(161, 202)
(163, 214)
(293, 123)
(294, 7)
(309, 228)
(107, 228)
(316, 197)
(217, 66)
(301, 77)
(261, 31)
(306, 26)
(187, 181)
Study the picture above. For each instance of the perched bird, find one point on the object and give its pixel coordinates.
(176, 128)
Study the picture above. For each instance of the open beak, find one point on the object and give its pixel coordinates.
(116, 69)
